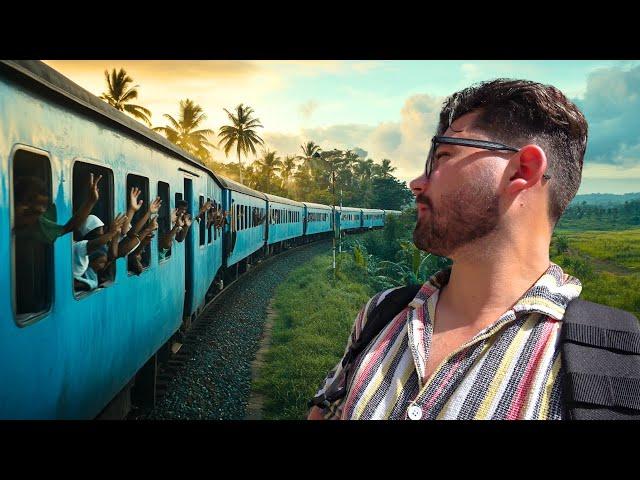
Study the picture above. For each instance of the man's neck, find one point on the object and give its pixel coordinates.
(482, 287)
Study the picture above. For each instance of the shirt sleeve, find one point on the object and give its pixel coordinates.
(334, 410)
(49, 229)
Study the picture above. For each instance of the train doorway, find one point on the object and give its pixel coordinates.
(188, 251)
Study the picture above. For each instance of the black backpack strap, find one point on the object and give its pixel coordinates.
(378, 318)
(601, 362)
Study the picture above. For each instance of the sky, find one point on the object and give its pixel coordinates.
(381, 109)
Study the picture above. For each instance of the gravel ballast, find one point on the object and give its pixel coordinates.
(215, 381)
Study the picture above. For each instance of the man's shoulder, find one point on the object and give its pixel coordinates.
(401, 296)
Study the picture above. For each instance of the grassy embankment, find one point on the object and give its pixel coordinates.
(314, 318)
(315, 313)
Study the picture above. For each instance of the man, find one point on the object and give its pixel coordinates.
(181, 211)
(480, 338)
(90, 255)
(35, 216)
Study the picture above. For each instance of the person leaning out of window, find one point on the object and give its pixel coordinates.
(35, 214)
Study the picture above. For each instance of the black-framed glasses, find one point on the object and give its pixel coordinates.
(465, 142)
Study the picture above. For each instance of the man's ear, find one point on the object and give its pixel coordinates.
(527, 168)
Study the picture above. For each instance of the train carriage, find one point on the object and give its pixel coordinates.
(245, 232)
(317, 218)
(372, 218)
(350, 218)
(284, 219)
(74, 351)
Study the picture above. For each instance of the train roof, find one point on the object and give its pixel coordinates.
(277, 199)
(317, 205)
(238, 187)
(348, 209)
(372, 210)
(66, 90)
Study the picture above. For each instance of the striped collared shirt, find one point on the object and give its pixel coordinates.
(509, 370)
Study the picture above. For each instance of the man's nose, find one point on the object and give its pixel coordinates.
(419, 184)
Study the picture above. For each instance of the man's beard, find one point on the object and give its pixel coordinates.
(470, 213)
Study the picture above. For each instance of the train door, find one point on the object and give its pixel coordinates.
(188, 252)
(267, 222)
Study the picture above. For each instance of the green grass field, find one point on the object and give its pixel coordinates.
(607, 263)
(314, 318)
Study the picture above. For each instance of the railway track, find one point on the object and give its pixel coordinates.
(184, 351)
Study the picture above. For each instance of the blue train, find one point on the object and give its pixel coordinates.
(79, 355)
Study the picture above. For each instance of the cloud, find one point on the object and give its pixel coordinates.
(405, 141)
(611, 104)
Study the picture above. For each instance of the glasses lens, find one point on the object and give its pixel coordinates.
(429, 163)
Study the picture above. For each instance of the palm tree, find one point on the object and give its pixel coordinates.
(332, 162)
(269, 165)
(308, 150)
(241, 133)
(363, 170)
(384, 170)
(119, 95)
(288, 169)
(184, 132)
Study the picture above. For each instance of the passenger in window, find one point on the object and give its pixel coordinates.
(258, 217)
(135, 259)
(88, 253)
(203, 210)
(130, 238)
(35, 215)
(181, 207)
(166, 240)
(220, 217)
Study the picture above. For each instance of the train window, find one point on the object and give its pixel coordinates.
(103, 210)
(201, 222)
(206, 219)
(142, 183)
(215, 209)
(164, 217)
(237, 217)
(32, 259)
(244, 217)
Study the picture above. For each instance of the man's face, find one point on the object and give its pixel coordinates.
(98, 263)
(182, 210)
(459, 203)
(36, 203)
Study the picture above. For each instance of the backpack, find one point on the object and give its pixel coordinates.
(600, 349)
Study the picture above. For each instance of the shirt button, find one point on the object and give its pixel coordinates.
(415, 412)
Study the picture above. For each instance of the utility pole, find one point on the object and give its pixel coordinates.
(340, 233)
(333, 212)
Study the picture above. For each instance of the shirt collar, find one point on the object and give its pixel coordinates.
(550, 295)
